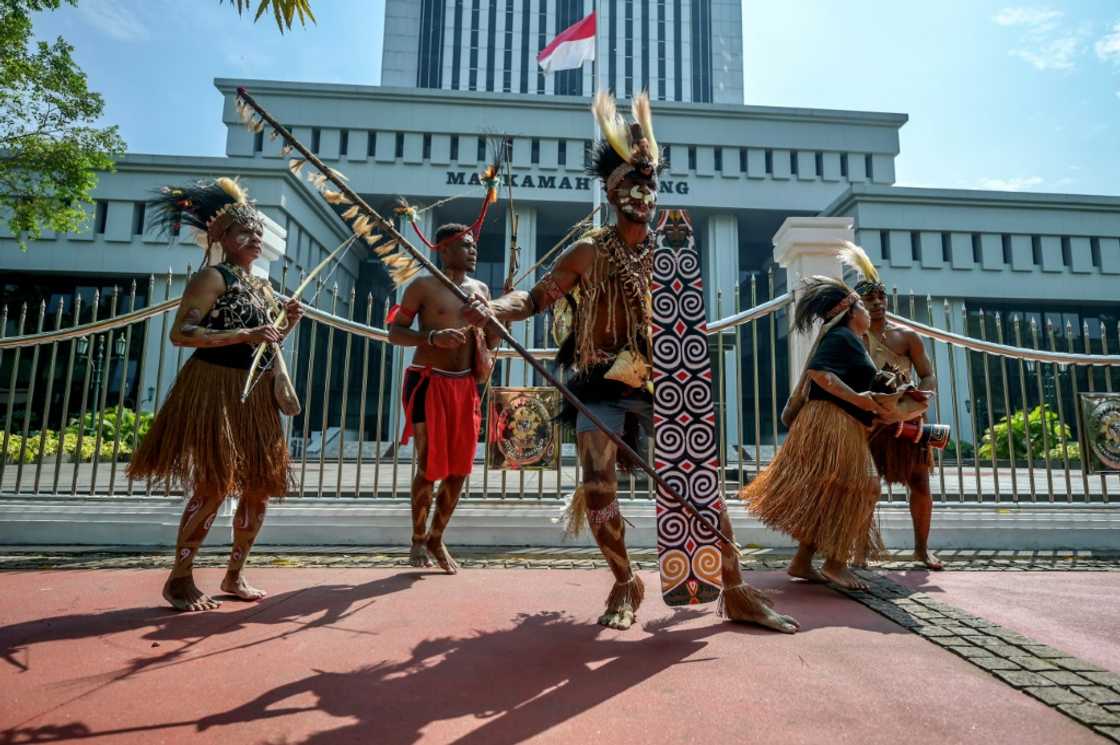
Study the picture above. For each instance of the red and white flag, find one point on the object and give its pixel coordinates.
(571, 48)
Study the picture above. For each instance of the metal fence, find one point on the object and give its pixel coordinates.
(74, 409)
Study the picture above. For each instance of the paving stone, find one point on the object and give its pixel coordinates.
(1090, 714)
(1098, 694)
(971, 652)
(1041, 650)
(1078, 666)
(1033, 663)
(994, 663)
(933, 631)
(1053, 695)
(1112, 733)
(1105, 679)
(1065, 678)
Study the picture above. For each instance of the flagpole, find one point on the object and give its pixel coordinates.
(596, 190)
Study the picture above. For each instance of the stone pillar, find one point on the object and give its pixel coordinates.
(520, 373)
(806, 246)
(720, 247)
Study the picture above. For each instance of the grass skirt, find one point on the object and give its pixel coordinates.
(822, 486)
(897, 459)
(207, 440)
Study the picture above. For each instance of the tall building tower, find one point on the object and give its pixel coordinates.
(680, 50)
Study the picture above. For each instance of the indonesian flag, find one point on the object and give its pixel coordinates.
(571, 48)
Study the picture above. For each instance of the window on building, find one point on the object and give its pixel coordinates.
(1095, 249)
(456, 44)
(429, 67)
(507, 52)
(915, 247)
(138, 209)
(667, 154)
(678, 54)
(719, 159)
(454, 147)
(977, 249)
(946, 248)
(628, 48)
(371, 144)
(100, 216)
(1067, 252)
(344, 142)
(843, 165)
(587, 153)
(794, 166)
(612, 44)
(476, 23)
(526, 17)
(491, 44)
(316, 135)
(742, 160)
(258, 142)
(562, 152)
(1005, 241)
(701, 50)
(869, 164)
(535, 151)
(769, 162)
(426, 154)
(885, 241)
(481, 150)
(819, 158)
(662, 90)
(645, 48)
(399, 151)
(568, 82)
(692, 157)
(1036, 250)
(542, 41)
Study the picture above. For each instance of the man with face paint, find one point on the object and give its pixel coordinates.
(900, 461)
(606, 279)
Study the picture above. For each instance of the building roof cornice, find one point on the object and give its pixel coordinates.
(882, 194)
(228, 86)
(204, 166)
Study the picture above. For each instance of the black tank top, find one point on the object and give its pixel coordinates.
(241, 306)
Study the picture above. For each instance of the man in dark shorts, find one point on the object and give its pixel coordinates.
(440, 390)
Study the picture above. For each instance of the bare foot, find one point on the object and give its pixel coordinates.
(237, 586)
(930, 559)
(440, 553)
(418, 555)
(767, 617)
(623, 604)
(182, 594)
(806, 571)
(841, 575)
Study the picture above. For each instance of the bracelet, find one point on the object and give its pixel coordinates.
(430, 342)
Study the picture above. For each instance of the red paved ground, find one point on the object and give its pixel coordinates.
(486, 658)
(1077, 612)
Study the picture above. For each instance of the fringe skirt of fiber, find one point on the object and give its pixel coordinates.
(822, 486)
(898, 459)
(205, 439)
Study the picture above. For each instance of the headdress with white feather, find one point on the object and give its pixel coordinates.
(625, 150)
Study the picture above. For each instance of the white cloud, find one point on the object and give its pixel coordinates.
(1037, 18)
(1015, 183)
(1054, 54)
(110, 18)
(1108, 46)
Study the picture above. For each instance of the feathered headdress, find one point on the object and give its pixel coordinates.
(624, 149)
(211, 208)
(491, 180)
(856, 258)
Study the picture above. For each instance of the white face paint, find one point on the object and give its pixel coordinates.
(638, 202)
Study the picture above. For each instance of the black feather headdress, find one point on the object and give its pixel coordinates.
(626, 151)
(211, 208)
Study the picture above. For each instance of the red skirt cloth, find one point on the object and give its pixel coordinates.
(452, 413)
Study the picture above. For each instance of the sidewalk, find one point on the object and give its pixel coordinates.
(505, 655)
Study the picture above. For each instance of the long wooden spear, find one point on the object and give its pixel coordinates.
(387, 228)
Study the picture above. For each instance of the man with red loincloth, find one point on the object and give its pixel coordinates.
(440, 391)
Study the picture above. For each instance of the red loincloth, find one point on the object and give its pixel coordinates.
(453, 414)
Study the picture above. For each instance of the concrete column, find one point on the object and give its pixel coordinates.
(806, 246)
(525, 332)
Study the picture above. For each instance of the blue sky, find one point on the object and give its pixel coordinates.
(1000, 95)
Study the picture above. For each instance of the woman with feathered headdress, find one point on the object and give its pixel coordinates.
(204, 437)
(822, 486)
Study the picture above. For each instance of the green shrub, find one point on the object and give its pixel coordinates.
(49, 441)
(1040, 429)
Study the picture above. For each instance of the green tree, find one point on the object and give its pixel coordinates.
(50, 152)
(284, 11)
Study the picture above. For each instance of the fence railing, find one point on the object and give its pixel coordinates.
(78, 392)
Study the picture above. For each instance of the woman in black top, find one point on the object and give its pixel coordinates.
(204, 437)
(821, 487)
